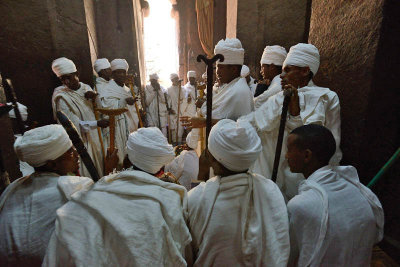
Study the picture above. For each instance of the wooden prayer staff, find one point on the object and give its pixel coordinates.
(278, 150)
(76, 140)
(136, 106)
(11, 93)
(111, 113)
(96, 115)
(179, 110)
(210, 74)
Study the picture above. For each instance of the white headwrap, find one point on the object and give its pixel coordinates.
(245, 71)
(173, 76)
(192, 139)
(154, 76)
(119, 64)
(62, 66)
(232, 51)
(22, 109)
(204, 75)
(101, 64)
(303, 55)
(274, 54)
(148, 149)
(235, 145)
(42, 144)
(191, 74)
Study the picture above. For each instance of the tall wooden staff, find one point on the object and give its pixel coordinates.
(179, 110)
(10, 91)
(130, 82)
(209, 62)
(96, 115)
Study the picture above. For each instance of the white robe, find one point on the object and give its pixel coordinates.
(274, 88)
(335, 220)
(252, 86)
(80, 111)
(173, 92)
(318, 105)
(239, 220)
(185, 168)
(153, 108)
(190, 90)
(28, 212)
(126, 219)
(231, 100)
(113, 97)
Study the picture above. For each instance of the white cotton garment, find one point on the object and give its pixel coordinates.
(334, 220)
(317, 105)
(303, 55)
(126, 219)
(190, 108)
(191, 74)
(232, 50)
(274, 54)
(274, 88)
(39, 145)
(238, 220)
(119, 64)
(156, 107)
(185, 168)
(148, 149)
(245, 71)
(62, 66)
(177, 96)
(153, 76)
(28, 213)
(231, 100)
(101, 64)
(23, 110)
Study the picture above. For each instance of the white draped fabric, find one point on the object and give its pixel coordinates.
(156, 105)
(77, 108)
(190, 90)
(173, 93)
(274, 88)
(28, 213)
(127, 219)
(252, 85)
(239, 220)
(335, 220)
(185, 168)
(231, 100)
(317, 105)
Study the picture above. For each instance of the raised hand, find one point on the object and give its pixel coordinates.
(91, 95)
(103, 123)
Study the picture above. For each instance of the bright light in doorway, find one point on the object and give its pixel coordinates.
(161, 49)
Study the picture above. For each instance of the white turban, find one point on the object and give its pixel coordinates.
(204, 76)
(148, 149)
(232, 51)
(191, 74)
(42, 144)
(173, 76)
(154, 76)
(62, 66)
(235, 145)
(274, 54)
(119, 64)
(101, 64)
(192, 139)
(245, 71)
(22, 109)
(303, 55)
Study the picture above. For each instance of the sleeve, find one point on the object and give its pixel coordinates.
(61, 105)
(57, 254)
(333, 123)
(113, 102)
(86, 126)
(150, 94)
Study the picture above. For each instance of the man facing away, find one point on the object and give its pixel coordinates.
(75, 100)
(237, 218)
(28, 205)
(131, 218)
(308, 104)
(334, 220)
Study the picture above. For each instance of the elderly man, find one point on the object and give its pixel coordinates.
(245, 73)
(308, 104)
(237, 218)
(271, 67)
(177, 95)
(116, 95)
(131, 218)
(190, 94)
(75, 100)
(158, 105)
(28, 205)
(334, 220)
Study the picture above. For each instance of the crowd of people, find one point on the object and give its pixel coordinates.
(149, 209)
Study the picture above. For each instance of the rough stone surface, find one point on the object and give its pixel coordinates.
(358, 43)
(270, 22)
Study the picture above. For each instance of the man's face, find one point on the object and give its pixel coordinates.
(294, 155)
(68, 162)
(175, 81)
(192, 80)
(226, 73)
(106, 74)
(294, 75)
(269, 71)
(119, 76)
(71, 81)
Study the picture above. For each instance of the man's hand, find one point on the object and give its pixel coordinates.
(90, 95)
(103, 123)
(130, 100)
(294, 105)
(193, 122)
(171, 112)
(199, 102)
(189, 99)
(156, 87)
(267, 82)
(111, 161)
